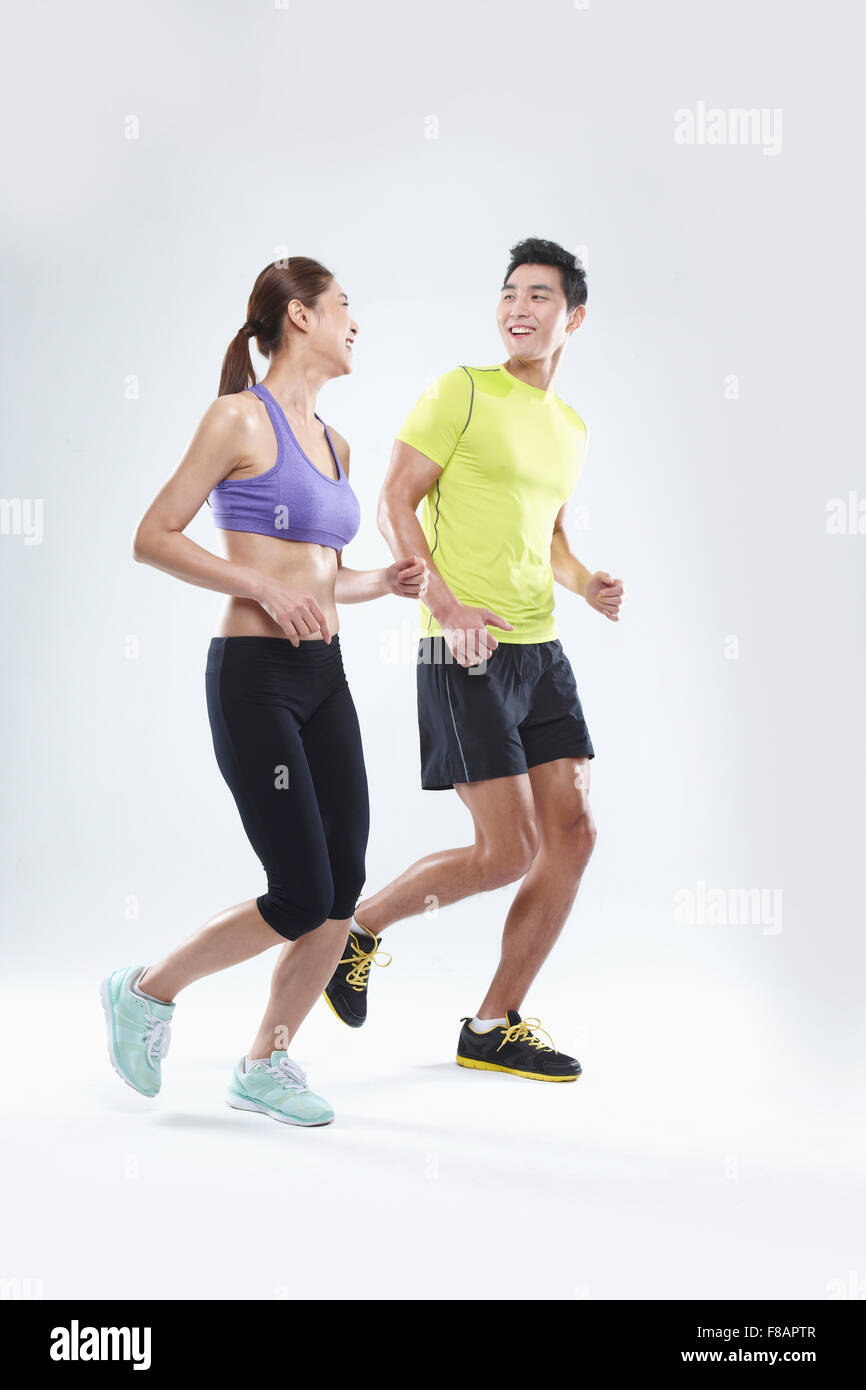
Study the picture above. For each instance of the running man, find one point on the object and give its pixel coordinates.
(495, 456)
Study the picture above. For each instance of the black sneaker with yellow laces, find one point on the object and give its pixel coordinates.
(516, 1047)
(346, 993)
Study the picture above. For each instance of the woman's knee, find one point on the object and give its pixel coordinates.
(348, 886)
(348, 861)
(294, 913)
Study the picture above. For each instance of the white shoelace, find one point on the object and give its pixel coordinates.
(157, 1035)
(289, 1074)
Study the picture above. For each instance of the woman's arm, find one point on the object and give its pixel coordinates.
(406, 578)
(358, 586)
(216, 448)
(220, 442)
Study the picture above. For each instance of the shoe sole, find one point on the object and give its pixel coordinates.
(105, 999)
(239, 1103)
(512, 1071)
(360, 1022)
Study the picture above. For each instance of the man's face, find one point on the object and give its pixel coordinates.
(532, 316)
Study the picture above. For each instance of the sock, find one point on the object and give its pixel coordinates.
(361, 931)
(484, 1025)
(141, 994)
(249, 1061)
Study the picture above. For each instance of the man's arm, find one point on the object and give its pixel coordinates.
(406, 578)
(601, 592)
(410, 477)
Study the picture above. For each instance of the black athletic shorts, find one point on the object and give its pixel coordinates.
(517, 709)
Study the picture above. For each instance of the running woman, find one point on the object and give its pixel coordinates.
(283, 721)
(495, 456)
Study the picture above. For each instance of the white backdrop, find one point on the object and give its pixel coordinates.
(156, 158)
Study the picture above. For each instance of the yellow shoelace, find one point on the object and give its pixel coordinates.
(360, 961)
(525, 1031)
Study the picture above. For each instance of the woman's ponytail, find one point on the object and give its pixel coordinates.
(237, 369)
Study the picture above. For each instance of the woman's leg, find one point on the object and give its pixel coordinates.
(335, 758)
(227, 939)
(254, 707)
(303, 969)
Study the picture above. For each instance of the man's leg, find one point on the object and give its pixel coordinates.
(566, 836)
(505, 843)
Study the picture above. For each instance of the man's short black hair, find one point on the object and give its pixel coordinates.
(536, 251)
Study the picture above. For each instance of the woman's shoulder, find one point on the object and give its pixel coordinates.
(239, 413)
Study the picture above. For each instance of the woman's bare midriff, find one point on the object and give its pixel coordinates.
(308, 569)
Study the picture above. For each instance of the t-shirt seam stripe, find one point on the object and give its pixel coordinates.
(471, 399)
(435, 542)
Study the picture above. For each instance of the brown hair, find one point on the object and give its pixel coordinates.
(277, 285)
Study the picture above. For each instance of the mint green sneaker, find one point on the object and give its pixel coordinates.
(138, 1031)
(278, 1088)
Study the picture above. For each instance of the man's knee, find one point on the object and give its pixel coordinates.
(580, 834)
(505, 863)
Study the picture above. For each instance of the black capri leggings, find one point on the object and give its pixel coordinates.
(287, 741)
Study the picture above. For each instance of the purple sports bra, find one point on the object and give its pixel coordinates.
(293, 500)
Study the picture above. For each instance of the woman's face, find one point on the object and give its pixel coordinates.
(335, 330)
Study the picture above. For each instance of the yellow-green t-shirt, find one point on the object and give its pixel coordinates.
(510, 455)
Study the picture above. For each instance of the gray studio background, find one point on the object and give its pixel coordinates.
(720, 370)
